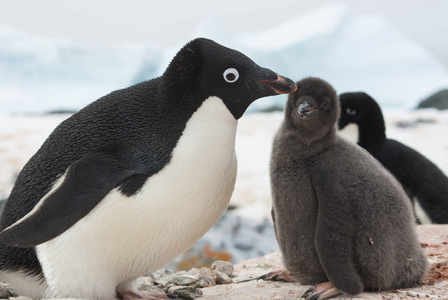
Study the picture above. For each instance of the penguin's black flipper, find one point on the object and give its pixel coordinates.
(334, 235)
(86, 183)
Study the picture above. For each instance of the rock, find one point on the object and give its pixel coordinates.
(243, 279)
(163, 278)
(222, 278)
(185, 292)
(181, 272)
(415, 123)
(193, 271)
(6, 291)
(168, 286)
(184, 279)
(151, 289)
(223, 266)
(207, 272)
(163, 273)
(438, 100)
(206, 281)
(20, 298)
(434, 239)
(151, 292)
(144, 280)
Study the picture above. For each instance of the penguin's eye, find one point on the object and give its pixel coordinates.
(350, 112)
(231, 75)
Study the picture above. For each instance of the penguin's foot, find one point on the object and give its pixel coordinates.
(324, 290)
(279, 275)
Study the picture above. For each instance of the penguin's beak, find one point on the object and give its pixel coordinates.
(305, 109)
(281, 85)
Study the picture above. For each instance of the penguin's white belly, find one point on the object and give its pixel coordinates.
(126, 237)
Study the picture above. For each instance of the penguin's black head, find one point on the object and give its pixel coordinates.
(206, 69)
(314, 107)
(356, 108)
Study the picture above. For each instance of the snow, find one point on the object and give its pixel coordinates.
(352, 52)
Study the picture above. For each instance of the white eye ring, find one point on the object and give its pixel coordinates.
(350, 112)
(231, 75)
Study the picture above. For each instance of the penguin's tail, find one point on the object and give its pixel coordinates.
(435, 205)
(431, 192)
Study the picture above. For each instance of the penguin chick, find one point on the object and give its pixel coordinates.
(132, 180)
(339, 216)
(420, 177)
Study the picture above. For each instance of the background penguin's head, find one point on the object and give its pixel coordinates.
(205, 68)
(358, 107)
(314, 107)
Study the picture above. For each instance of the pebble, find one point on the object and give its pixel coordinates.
(6, 291)
(144, 280)
(206, 281)
(164, 279)
(223, 266)
(186, 292)
(207, 272)
(153, 289)
(163, 273)
(193, 271)
(222, 278)
(243, 279)
(184, 279)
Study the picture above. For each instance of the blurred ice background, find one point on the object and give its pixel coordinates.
(352, 51)
(60, 56)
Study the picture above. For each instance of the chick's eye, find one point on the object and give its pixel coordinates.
(350, 111)
(231, 75)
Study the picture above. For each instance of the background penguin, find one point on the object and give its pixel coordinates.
(339, 215)
(132, 180)
(419, 176)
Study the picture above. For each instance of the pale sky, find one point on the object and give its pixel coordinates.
(167, 22)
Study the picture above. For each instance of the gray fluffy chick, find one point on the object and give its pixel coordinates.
(339, 215)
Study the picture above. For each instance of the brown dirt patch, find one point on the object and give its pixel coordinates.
(437, 273)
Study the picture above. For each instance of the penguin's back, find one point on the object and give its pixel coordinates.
(108, 124)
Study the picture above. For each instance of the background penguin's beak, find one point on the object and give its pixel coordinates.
(281, 85)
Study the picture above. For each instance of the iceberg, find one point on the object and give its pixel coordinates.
(39, 74)
(351, 52)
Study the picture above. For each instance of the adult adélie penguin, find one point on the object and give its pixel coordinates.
(133, 179)
(420, 177)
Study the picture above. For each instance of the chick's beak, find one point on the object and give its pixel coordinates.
(305, 109)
